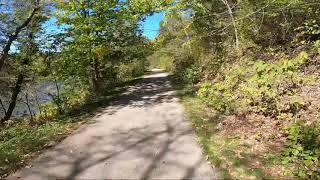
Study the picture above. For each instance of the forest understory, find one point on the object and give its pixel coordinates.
(248, 75)
(247, 72)
(259, 119)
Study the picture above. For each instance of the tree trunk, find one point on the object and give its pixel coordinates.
(58, 101)
(14, 36)
(14, 97)
(233, 22)
(3, 107)
(97, 75)
(29, 108)
(38, 103)
(95, 84)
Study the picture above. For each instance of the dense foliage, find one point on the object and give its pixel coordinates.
(256, 65)
(92, 46)
(62, 57)
(253, 65)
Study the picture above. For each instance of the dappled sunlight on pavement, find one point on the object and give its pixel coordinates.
(142, 135)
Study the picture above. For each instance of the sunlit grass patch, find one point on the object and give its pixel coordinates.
(231, 154)
(21, 141)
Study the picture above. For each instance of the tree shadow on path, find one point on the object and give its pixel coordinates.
(159, 149)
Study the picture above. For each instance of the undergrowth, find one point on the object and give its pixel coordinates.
(20, 141)
(229, 153)
(254, 87)
(255, 119)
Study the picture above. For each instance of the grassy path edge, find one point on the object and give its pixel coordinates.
(20, 143)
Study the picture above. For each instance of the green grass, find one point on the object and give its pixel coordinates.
(228, 153)
(21, 141)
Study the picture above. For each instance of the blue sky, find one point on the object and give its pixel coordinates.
(152, 24)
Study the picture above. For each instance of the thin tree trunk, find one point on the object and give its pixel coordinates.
(14, 96)
(188, 37)
(29, 108)
(16, 90)
(58, 98)
(94, 64)
(2, 106)
(38, 104)
(97, 77)
(15, 34)
(233, 22)
(95, 84)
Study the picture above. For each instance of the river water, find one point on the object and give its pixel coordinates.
(34, 94)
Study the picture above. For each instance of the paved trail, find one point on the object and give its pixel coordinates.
(142, 135)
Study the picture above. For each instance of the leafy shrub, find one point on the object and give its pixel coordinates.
(271, 89)
(49, 112)
(218, 96)
(74, 97)
(303, 149)
(258, 86)
(130, 70)
(186, 70)
(192, 75)
(161, 61)
(308, 32)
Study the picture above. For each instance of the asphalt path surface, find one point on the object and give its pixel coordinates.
(144, 134)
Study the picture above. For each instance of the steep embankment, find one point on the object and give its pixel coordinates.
(259, 116)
